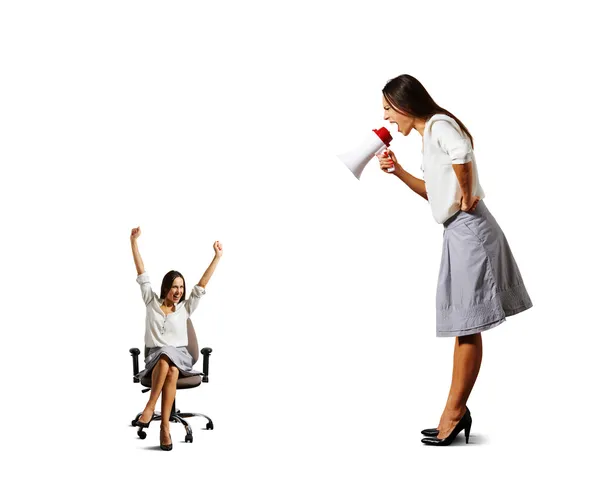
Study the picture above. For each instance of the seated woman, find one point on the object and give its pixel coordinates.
(166, 335)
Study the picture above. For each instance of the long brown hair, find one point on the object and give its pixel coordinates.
(407, 94)
(167, 283)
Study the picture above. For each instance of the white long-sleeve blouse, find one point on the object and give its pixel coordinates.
(167, 329)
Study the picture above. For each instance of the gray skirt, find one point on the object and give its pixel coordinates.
(479, 284)
(179, 356)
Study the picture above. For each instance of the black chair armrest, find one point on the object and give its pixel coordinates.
(135, 352)
(206, 353)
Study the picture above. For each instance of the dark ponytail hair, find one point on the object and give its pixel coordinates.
(167, 283)
(407, 94)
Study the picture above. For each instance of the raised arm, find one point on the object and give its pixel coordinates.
(212, 266)
(139, 264)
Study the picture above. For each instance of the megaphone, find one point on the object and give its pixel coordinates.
(357, 158)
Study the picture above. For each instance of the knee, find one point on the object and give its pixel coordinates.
(173, 372)
(469, 339)
(164, 361)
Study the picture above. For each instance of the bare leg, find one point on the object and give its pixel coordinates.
(453, 383)
(168, 396)
(468, 352)
(159, 375)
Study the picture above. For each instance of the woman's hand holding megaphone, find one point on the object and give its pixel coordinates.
(388, 161)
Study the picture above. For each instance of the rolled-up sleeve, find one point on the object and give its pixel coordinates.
(144, 282)
(192, 302)
(452, 142)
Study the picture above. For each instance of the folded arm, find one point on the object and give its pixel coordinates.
(464, 174)
(458, 147)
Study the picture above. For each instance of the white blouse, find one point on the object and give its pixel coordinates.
(171, 329)
(444, 145)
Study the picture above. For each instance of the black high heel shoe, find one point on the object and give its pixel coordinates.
(464, 424)
(167, 447)
(141, 424)
(430, 432)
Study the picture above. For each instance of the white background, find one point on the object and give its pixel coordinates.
(201, 121)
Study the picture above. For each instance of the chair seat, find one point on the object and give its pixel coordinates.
(182, 383)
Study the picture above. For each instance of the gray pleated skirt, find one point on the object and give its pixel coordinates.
(479, 283)
(178, 355)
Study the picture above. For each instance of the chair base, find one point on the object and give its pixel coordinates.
(178, 417)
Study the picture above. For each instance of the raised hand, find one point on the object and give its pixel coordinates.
(135, 233)
(218, 247)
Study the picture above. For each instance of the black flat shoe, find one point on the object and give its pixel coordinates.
(464, 424)
(167, 447)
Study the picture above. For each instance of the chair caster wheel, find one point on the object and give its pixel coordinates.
(133, 423)
(209, 426)
(142, 434)
(189, 438)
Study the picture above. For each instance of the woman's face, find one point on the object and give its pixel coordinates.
(403, 121)
(176, 291)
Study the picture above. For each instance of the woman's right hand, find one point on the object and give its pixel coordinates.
(387, 159)
(135, 233)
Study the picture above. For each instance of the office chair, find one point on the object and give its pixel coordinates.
(182, 383)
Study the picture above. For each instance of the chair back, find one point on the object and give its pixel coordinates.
(192, 342)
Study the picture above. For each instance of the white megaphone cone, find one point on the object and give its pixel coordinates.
(357, 158)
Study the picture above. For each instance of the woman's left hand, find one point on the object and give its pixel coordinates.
(218, 247)
(464, 206)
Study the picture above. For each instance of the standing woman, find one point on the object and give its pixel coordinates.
(166, 335)
(479, 282)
